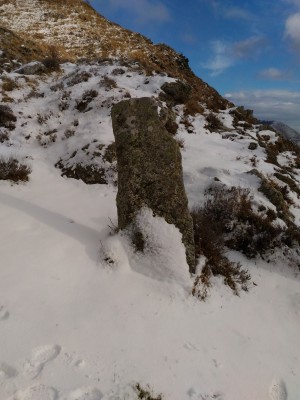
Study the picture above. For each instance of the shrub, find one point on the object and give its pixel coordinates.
(229, 213)
(293, 184)
(213, 123)
(47, 137)
(64, 100)
(43, 118)
(252, 146)
(277, 195)
(9, 85)
(193, 107)
(227, 220)
(107, 83)
(281, 145)
(69, 133)
(87, 97)
(12, 170)
(7, 118)
(118, 71)
(242, 114)
(145, 393)
(234, 276)
(80, 77)
(210, 225)
(52, 62)
(89, 174)
(4, 136)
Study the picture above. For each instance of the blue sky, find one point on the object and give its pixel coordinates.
(247, 50)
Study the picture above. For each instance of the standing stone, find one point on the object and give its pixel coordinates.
(150, 169)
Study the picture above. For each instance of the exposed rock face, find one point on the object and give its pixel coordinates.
(150, 169)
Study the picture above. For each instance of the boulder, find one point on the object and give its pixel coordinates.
(32, 68)
(149, 170)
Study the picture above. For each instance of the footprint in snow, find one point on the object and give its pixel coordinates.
(85, 394)
(190, 346)
(39, 392)
(40, 357)
(277, 390)
(4, 314)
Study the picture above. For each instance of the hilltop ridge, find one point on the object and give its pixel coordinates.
(79, 32)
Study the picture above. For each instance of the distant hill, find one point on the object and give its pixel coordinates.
(285, 130)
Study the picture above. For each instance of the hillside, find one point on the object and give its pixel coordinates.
(84, 34)
(83, 315)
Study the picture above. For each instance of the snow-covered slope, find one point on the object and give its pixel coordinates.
(85, 317)
(73, 30)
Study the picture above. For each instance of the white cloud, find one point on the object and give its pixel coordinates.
(292, 29)
(144, 10)
(277, 105)
(225, 54)
(188, 38)
(295, 2)
(221, 59)
(273, 74)
(224, 9)
(249, 47)
(237, 13)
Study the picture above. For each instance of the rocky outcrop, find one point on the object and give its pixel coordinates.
(176, 92)
(149, 170)
(32, 68)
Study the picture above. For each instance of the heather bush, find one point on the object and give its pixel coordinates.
(52, 61)
(227, 220)
(8, 84)
(209, 223)
(145, 393)
(107, 83)
(193, 107)
(79, 77)
(11, 169)
(227, 213)
(87, 97)
(213, 123)
(7, 118)
(273, 149)
(4, 136)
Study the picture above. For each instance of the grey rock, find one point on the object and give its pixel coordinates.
(149, 170)
(32, 68)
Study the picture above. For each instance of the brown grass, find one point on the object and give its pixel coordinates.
(101, 38)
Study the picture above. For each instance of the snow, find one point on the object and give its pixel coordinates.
(83, 316)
